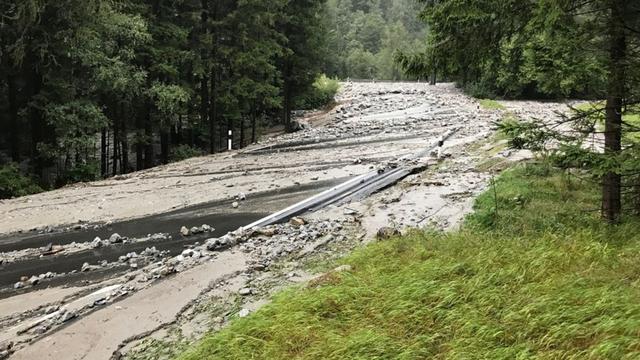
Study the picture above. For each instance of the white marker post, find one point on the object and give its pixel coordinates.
(230, 140)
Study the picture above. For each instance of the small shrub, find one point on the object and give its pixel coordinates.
(80, 173)
(491, 105)
(183, 152)
(321, 94)
(15, 184)
(479, 91)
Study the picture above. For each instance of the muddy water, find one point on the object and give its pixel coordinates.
(220, 215)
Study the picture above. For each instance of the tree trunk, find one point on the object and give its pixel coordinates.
(104, 162)
(287, 108)
(124, 166)
(148, 137)
(164, 146)
(116, 142)
(14, 131)
(242, 132)
(213, 112)
(140, 141)
(611, 189)
(254, 125)
(37, 127)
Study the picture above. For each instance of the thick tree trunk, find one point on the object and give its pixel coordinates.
(116, 142)
(104, 162)
(287, 109)
(204, 104)
(164, 146)
(611, 189)
(148, 137)
(38, 127)
(254, 125)
(242, 132)
(124, 166)
(14, 130)
(213, 112)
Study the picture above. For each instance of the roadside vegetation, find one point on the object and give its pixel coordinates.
(532, 273)
(321, 94)
(489, 104)
(14, 184)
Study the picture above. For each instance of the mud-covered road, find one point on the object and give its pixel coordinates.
(94, 271)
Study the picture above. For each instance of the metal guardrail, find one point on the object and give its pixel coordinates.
(355, 189)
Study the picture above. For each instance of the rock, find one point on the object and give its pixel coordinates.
(350, 212)
(96, 243)
(245, 292)
(206, 228)
(86, 267)
(296, 221)
(67, 315)
(184, 231)
(235, 205)
(269, 232)
(241, 197)
(34, 280)
(188, 253)
(244, 313)
(212, 244)
(387, 233)
(343, 268)
(18, 285)
(115, 238)
(195, 230)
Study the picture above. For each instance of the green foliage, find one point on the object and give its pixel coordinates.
(512, 48)
(322, 93)
(85, 77)
(542, 280)
(491, 104)
(183, 152)
(364, 36)
(14, 184)
(81, 173)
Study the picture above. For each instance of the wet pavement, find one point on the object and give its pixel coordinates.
(220, 215)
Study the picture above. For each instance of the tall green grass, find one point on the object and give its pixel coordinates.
(532, 274)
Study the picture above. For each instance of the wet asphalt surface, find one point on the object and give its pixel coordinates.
(219, 215)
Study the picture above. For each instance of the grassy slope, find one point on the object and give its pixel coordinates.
(539, 279)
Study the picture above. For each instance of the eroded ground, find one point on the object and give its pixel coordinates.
(157, 283)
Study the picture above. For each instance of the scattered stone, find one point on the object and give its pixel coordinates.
(96, 243)
(87, 267)
(296, 221)
(350, 212)
(67, 315)
(18, 285)
(184, 231)
(386, 233)
(115, 238)
(245, 292)
(34, 280)
(343, 268)
(195, 230)
(244, 313)
(235, 205)
(269, 232)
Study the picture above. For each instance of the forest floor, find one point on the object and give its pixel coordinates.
(159, 285)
